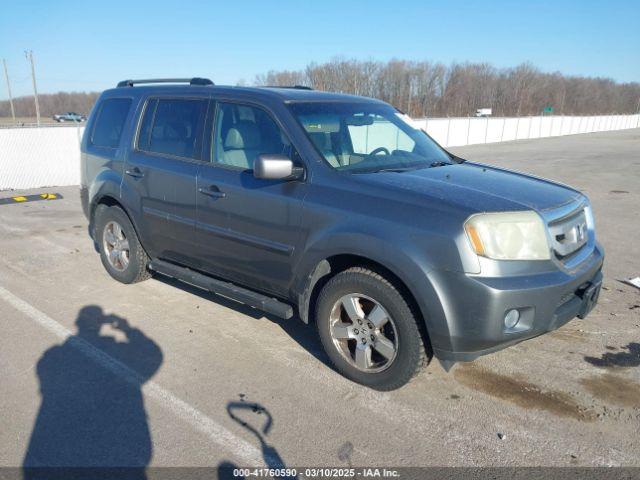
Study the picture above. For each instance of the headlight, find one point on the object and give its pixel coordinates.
(508, 235)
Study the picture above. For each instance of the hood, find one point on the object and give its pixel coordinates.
(478, 187)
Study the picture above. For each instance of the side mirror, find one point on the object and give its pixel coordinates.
(275, 167)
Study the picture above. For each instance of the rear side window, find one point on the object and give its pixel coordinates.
(110, 122)
(173, 127)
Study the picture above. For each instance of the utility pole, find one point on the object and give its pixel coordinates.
(29, 56)
(6, 75)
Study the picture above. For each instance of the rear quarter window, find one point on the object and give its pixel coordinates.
(109, 125)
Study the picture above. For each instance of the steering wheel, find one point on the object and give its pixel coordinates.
(375, 151)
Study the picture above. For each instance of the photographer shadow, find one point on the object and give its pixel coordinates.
(92, 412)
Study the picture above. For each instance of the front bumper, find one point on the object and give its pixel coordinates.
(474, 306)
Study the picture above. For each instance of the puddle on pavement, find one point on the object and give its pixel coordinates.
(613, 388)
(522, 393)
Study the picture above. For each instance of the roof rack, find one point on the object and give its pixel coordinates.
(297, 87)
(190, 81)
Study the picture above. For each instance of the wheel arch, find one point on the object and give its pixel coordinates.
(110, 200)
(330, 266)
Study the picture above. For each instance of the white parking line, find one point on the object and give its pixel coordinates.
(218, 434)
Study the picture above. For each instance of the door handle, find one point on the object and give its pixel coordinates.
(135, 172)
(212, 191)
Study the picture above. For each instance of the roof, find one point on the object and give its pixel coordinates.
(274, 93)
(302, 95)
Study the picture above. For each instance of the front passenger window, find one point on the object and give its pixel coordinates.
(242, 133)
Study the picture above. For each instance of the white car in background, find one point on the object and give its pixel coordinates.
(483, 112)
(70, 117)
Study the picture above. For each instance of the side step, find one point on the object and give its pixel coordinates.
(226, 289)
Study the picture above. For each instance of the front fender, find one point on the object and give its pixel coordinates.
(401, 256)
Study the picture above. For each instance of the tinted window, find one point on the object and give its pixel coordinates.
(173, 127)
(110, 122)
(242, 133)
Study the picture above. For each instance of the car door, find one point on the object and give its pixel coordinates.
(248, 228)
(162, 168)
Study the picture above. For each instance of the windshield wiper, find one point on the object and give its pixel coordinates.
(407, 169)
(397, 169)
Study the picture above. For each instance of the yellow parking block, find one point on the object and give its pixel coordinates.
(30, 198)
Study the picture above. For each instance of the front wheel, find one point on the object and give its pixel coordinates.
(368, 330)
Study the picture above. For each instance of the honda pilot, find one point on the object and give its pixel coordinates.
(336, 210)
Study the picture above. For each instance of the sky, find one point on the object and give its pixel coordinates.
(91, 45)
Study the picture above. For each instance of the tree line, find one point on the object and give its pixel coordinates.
(51, 104)
(426, 89)
(421, 88)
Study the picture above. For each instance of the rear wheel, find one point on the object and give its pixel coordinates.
(120, 250)
(368, 330)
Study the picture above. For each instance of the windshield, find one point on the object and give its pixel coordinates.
(367, 137)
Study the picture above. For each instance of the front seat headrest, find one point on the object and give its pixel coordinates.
(243, 135)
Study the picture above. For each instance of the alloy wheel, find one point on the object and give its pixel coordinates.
(363, 332)
(116, 246)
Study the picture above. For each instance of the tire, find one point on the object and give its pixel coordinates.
(393, 322)
(129, 268)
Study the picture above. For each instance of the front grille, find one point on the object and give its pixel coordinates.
(569, 234)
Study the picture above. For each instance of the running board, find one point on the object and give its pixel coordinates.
(225, 289)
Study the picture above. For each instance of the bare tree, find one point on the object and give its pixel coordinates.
(421, 88)
(433, 89)
(51, 103)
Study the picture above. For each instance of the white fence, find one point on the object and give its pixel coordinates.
(45, 156)
(455, 132)
(39, 157)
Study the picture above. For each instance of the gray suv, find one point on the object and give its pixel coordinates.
(334, 209)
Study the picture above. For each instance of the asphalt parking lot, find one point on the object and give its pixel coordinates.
(177, 377)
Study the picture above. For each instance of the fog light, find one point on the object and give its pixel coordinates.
(511, 318)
